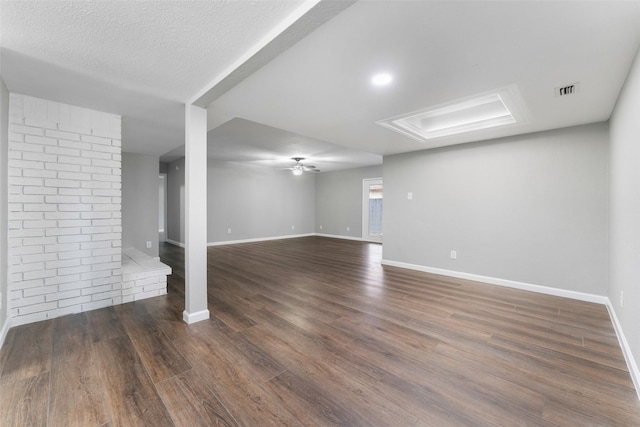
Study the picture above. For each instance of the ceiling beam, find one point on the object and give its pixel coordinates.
(303, 21)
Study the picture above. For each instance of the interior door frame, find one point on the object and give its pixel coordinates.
(162, 228)
(366, 182)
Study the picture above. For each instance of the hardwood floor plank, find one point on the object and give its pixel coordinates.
(133, 399)
(136, 319)
(565, 414)
(29, 354)
(593, 372)
(382, 329)
(318, 310)
(312, 327)
(325, 377)
(174, 329)
(417, 399)
(24, 402)
(191, 403)
(547, 379)
(77, 393)
(167, 314)
(313, 405)
(234, 346)
(245, 400)
(448, 330)
(159, 356)
(596, 321)
(556, 339)
(105, 324)
(4, 351)
(489, 401)
(229, 314)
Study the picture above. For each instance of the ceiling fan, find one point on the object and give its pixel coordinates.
(299, 168)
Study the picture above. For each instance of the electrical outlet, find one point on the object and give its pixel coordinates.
(148, 244)
(621, 299)
(228, 231)
(410, 196)
(454, 255)
(293, 227)
(320, 227)
(348, 228)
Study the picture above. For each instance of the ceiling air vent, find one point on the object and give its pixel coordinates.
(567, 90)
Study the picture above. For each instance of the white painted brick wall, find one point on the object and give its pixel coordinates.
(64, 209)
(142, 276)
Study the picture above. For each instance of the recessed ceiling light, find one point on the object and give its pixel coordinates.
(485, 111)
(381, 79)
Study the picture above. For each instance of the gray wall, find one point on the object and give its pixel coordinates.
(140, 202)
(531, 209)
(339, 200)
(175, 201)
(4, 148)
(253, 201)
(257, 202)
(624, 214)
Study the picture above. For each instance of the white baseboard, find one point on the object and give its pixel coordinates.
(259, 239)
(599, 299)
(173, 242)
(626, 349)
(198, 316)
(5, 330)
(338, 236)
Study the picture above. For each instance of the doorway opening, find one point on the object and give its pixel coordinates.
(162, 208)
(372, 210)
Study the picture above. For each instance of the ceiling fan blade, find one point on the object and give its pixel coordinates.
(299, 166)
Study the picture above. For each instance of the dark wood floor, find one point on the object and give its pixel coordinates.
(314, 331)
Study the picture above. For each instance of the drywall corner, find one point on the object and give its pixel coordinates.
(4, 154)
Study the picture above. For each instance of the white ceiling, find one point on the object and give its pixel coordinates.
(439, 52)
(240, 140)
(140, 59)
(143, 60)
(167, 49)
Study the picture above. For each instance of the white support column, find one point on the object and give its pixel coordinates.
(195, 266)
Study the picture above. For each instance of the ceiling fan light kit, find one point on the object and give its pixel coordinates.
(298, 169)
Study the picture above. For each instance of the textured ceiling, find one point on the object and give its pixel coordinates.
(169, 49)
(144, 59)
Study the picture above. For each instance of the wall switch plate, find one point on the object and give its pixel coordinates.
(454, 255)
(148, 244)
